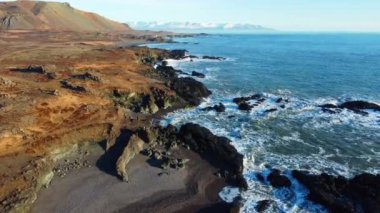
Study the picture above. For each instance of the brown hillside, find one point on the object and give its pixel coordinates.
(36, 15)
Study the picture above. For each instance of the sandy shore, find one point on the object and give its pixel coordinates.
(97, 189)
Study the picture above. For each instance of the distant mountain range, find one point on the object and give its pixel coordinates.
(198, 27)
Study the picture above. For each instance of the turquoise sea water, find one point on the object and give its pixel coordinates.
(307, 70)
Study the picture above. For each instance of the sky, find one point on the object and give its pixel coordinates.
(283, 15)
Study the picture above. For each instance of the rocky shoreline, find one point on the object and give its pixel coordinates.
(335, 193)
(128, 135)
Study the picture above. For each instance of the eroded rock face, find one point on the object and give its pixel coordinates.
(190, 90)
(135, 146)
(219, 149)
(338, 194)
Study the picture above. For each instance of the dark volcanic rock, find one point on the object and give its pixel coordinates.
(263, 205)
(338, 194)
(355, 106)
(277, 180)
(213, 58)
(87, 76)
(359, 105)
(279, 100)
(193, 57)
(167, 72)
(245, 106)
(178, 54)
(330, 106)
(248, 98)
(218, 150)
(190, 90)
(70, 86)
(198, 74)
(31, 69)
(218, 108)
(270, 110)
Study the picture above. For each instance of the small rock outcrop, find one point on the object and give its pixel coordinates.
(355, 106)
(190, 90)
(6, 82)
(214, 58)
(243, 103)
(31, 69)
(178, 54)
(198, 74)
(277, 180)
(263, 205)
(338, 194)
(87, 76)
(209, 146)
(167, 72)
(270, 110)
(218, 108)
(76, 88)
(135, 146)
(359, 105)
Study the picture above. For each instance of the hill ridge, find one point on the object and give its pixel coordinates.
(55, 16)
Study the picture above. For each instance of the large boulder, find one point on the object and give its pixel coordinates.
(338, 194)
(190, 90)
(210, 146)
(135, 146)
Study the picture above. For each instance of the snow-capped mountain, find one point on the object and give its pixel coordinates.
(197, 27)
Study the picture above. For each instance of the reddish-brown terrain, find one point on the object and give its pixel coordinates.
(68, 95)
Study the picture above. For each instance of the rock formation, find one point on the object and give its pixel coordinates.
(338, 194)
(218, 149)
(190, 90)
(135, 146)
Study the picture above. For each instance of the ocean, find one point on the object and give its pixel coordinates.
(306, 70)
